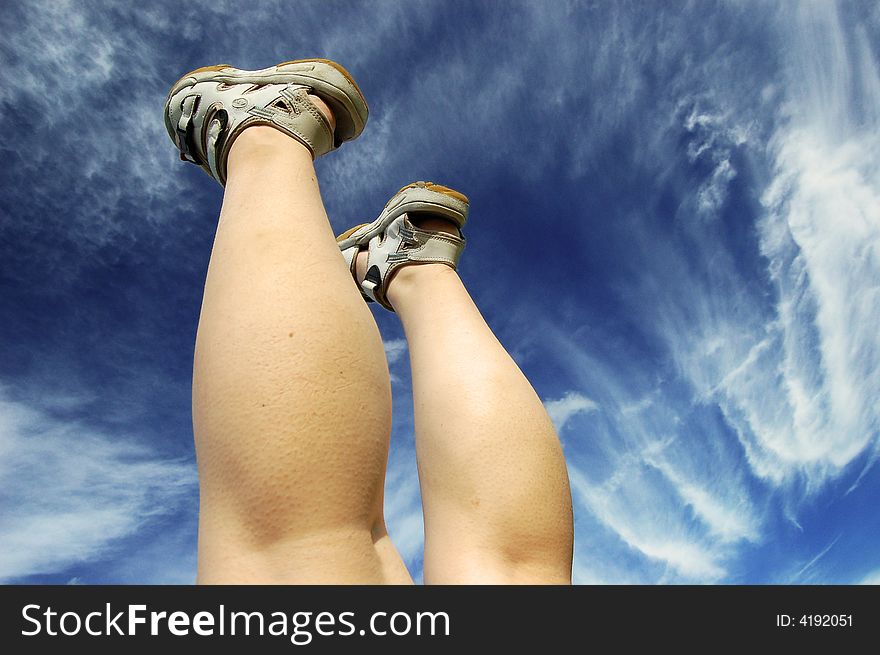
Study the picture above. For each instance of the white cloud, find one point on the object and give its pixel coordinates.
(713, 193)
(728, 516)
(795, 379)
(800, 389)
(675, 495)
(395, 349)
(65, 54)
(806, 573)
(628, 505)
(403, 510)
(564, 408)
(71, 493)
(713, 138)
(872, 578)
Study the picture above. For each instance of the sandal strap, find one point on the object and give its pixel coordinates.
(222, 115)
(208, 108)
(403, 244)
(350, 256)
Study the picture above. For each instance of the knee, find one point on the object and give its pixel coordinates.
(341, 555)
(497, 568)
(509, 558)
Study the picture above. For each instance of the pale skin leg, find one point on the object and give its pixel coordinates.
(292, 457)
(495, 489)
(291, 394)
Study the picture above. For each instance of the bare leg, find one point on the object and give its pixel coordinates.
(291, 393)
(494, 484)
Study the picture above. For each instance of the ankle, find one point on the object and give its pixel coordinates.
(260, 140)
(417, 280)
(259, 146)
(263, 140)
(416, 277)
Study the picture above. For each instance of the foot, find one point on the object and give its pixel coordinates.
(421, 224)
(427, 222)
(314, 101)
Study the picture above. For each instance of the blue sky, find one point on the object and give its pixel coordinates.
(675, 230)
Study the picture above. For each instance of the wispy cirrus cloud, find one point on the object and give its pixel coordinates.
(619, 504)
(872, 578)
(562, 409)
(808, 572)
(797, 382)
(654, 476)
(72, 495)
(772, 358)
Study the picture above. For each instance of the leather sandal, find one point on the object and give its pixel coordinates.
(392, 241)
(208, 108)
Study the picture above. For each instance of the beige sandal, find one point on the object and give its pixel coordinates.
(392, 241)
(207, 108)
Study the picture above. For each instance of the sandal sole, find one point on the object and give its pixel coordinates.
(426, 197)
